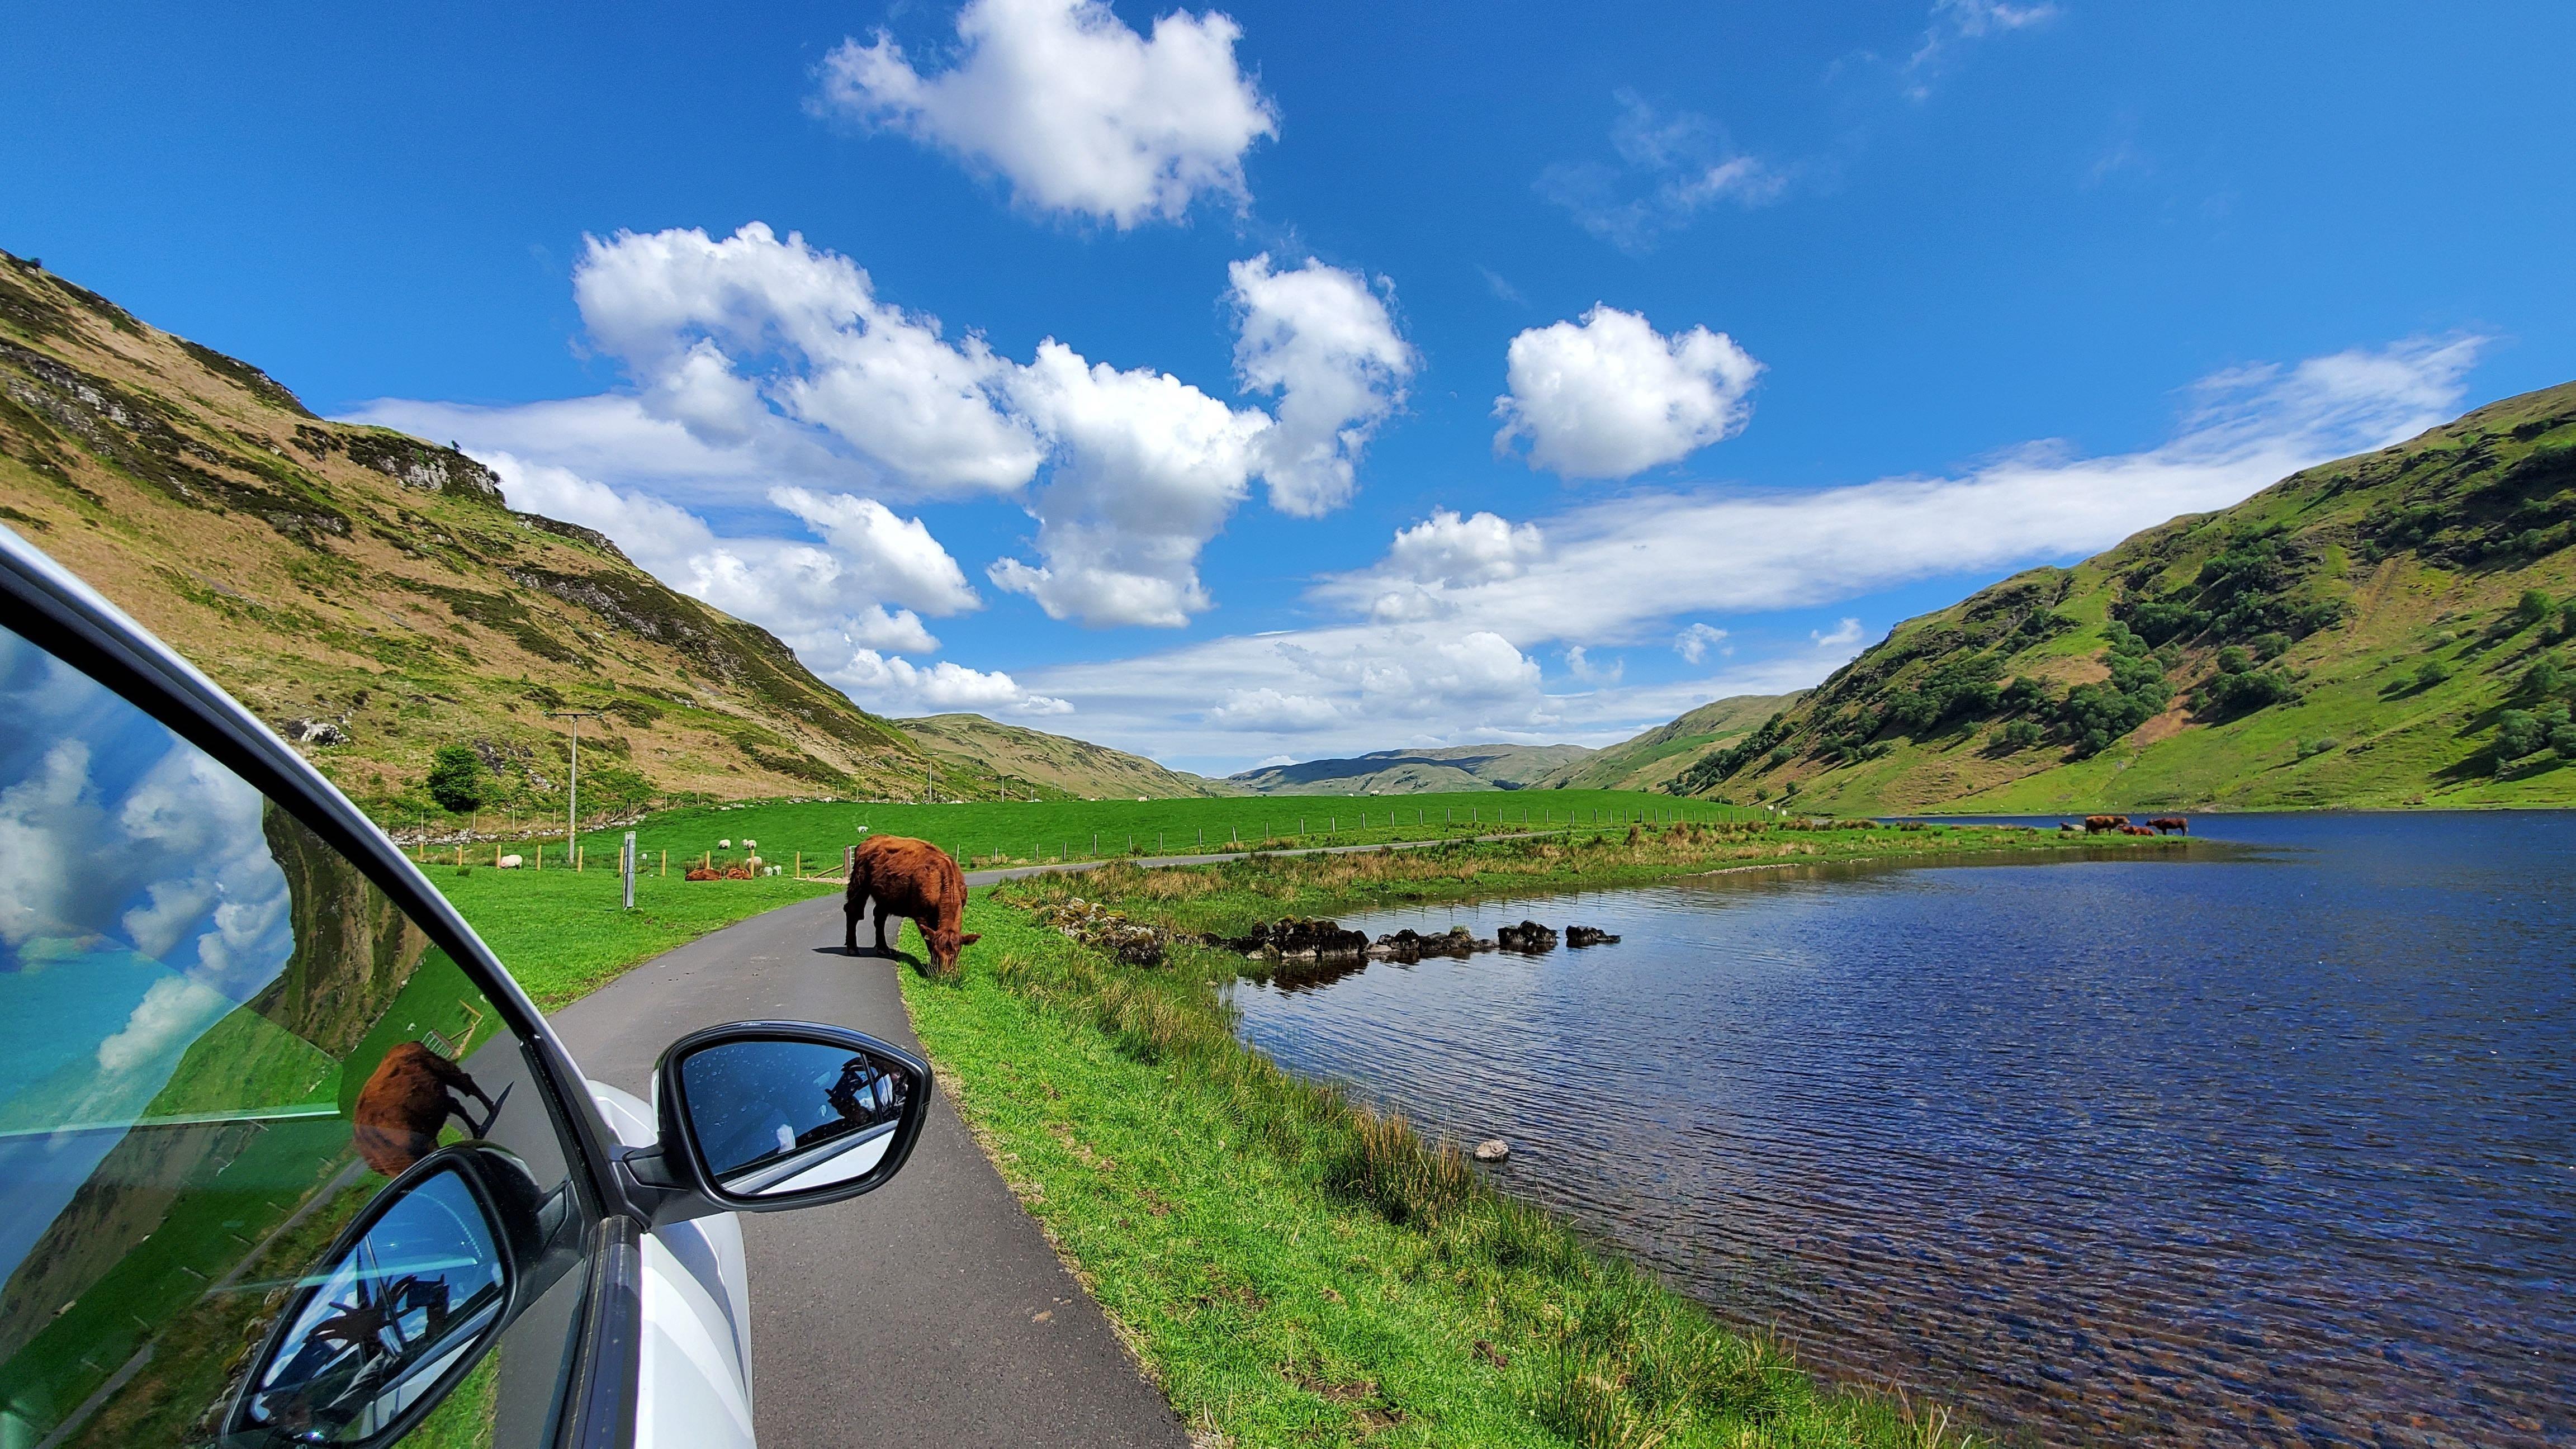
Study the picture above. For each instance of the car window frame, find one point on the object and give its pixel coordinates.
(57, 612)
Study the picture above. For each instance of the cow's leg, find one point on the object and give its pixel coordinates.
(852, 908)
(882, 948)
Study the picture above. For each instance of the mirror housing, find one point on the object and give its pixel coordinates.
(410, 1295)
(764, 1116)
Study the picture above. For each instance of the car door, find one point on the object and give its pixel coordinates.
(237, 1081)
(285, 1155)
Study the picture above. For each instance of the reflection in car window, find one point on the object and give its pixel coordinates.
(217, 1042)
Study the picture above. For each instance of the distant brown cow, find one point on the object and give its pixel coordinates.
(2097, 824)
(913, 879)
(2135, 830)
(408, 1098)
(2174, 824)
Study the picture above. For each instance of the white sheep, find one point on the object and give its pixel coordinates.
(510, 862)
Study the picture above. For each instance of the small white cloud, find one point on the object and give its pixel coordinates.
(1612, 397)
(1271, 761)
(1578, 662)
(896, 685)
(1955, 22)
(1080, 113)
(1321, 340)
(1501, 287)
(1694, 643)
(1845, 635)
(1479, 548)
(1672, 167)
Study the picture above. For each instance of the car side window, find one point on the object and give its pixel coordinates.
(219, 1043)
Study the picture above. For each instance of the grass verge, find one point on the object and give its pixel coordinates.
(1295, 1269)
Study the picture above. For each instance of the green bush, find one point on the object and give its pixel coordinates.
(456, 779)
(2431, 672)
(2519, 732)
(2531, 608)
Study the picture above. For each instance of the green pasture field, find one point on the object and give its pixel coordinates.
(565, 934)
(1023, 832)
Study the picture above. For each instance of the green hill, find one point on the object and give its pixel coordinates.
(372, 597)
(1415, 772)
(1018, 759)
(1652, 759)
(2387, 630)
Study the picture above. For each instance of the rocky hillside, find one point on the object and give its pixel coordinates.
(1652, 759)
(2387, 630)
(1018, 761)
(371, 595)
(1415, 772)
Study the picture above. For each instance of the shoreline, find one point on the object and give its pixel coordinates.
(1292, 1266)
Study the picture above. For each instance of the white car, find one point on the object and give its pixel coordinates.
(286, 1157)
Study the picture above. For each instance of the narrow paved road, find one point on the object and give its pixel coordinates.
(930, 1312)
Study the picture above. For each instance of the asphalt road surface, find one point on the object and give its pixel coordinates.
(929, 1312)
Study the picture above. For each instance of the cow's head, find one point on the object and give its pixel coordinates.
(945, 943)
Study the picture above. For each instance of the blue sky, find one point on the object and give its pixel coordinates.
(1785, 316)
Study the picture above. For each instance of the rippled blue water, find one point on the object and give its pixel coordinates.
(2275, 1143)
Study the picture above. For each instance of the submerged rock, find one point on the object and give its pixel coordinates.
(1589, 936)
(1297, 936)
(1528, 936)
(1409, 945)
(1492, 1149)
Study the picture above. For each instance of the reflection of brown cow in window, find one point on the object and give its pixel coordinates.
(2097, 824)
(913, 879)
(2169, 824)
(410, 1096)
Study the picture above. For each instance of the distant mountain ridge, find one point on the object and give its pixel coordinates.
(1056, 764)
(2385, 630)
(1414, 772)
(373, 597)
(1651, 759)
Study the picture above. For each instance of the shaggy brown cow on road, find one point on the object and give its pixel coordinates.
(408, 1098)
(913, 879)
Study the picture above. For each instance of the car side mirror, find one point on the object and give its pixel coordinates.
(762, 1116)
(400, 1309)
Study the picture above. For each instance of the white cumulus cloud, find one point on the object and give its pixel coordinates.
(1082, 114)
(1612, 397)
(1148, 469)
(1844, 636)
(1320, 339)
(741, 339)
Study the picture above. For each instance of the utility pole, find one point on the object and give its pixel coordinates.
(572, 791)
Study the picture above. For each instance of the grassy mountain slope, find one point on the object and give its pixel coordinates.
(372, 596)
(1055, 764)
(1415, 772)
(1651, 759)
(2386, 630)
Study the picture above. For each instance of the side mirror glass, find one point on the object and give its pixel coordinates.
(391, 1317)
(782, 1114)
